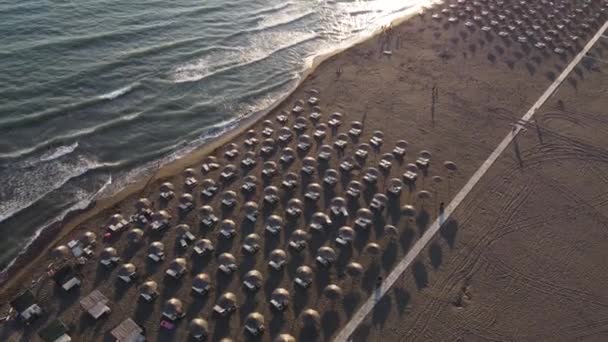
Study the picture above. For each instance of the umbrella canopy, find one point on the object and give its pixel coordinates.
(178, 265)
(332, 292)
(174, 307)
(408, 210)
(201, 281)
(327, 253)
(254, 278)
(135, 235)
(167, 187)
(310, 317)
(143, 203)
(189, 172)
(304, 273)
(450, 166)
(285, 338)
(226, 259)
(186, 198)
(87, 238)
(254, 320)
(199, 327)
(391, 231)
(372, 249)
(149, 288)
(108, 253)
(126, 270)
(278, 256)
(156, 247)
(227, 300)
(354, 269)
(182, 229)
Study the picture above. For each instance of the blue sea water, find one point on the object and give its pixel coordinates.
(95, 94)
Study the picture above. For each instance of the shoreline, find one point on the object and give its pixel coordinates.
(58, 230)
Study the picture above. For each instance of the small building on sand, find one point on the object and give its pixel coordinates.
(95, 304)
(128, 331)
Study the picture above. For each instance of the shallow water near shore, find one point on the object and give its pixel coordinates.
(100, 94)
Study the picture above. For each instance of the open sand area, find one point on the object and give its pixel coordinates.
(519, 259)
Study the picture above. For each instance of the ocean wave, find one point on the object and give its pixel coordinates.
(261, 48)
(118, 92)
(24, 187)
(78, 134)
(59, 152)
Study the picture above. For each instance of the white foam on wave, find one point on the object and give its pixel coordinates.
(59, 152)
(118, 92)
(25, 185)
(258, 48)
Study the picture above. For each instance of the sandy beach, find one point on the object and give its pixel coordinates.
(483, 83)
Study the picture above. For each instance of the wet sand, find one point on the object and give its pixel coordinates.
(481, 93)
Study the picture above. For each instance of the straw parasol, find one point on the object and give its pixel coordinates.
(199, 328)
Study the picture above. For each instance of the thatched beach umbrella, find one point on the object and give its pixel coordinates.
(227, 229)
(423, 196)
(231, 151)
(326, 256)
(226, 304)
(338, 207)
(203, 246)
(400, 149)
(333, 292)
(254, 323)
(354, 188)
(309, 165)
(304, 142)
(148, 290)
(135, 236)
(253, 280)
(354, 270)
(363, 151)
(313, 192)
(304, 276)
(143, 204)
(126, 272)
(227, 263)
(310, 318)
(271, 194)
(377, 139)
(284, 135)
(294, 207)
(408, 211)
(290, 181)
(173, 309)
(252, 243)
(201, 283)
(379, 202)
(229, 199)
(108, 256)
(331, 178)
(300, 124)
(279, 299)
(335, 120)
(274, 224)
(210, 163)
(249, 160)
(156, 251)
(209, 187)
(364, 218)
(386, 162)
(268, 145)
(199, 329)
(269, 169)
(251, 211)
(373, 249)
(285, 338)
(320, 131)
(341, 141)
(319, 221)
(325, 153)
(391, 231)
(298, 240)
(356, 128)
(177, 268)
(395, 185)
(345, 235)
(228, 173)
(277, 259)
(88, 238)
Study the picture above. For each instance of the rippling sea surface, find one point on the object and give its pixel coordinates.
(96, 94)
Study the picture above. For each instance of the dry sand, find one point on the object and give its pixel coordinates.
(484, 85)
